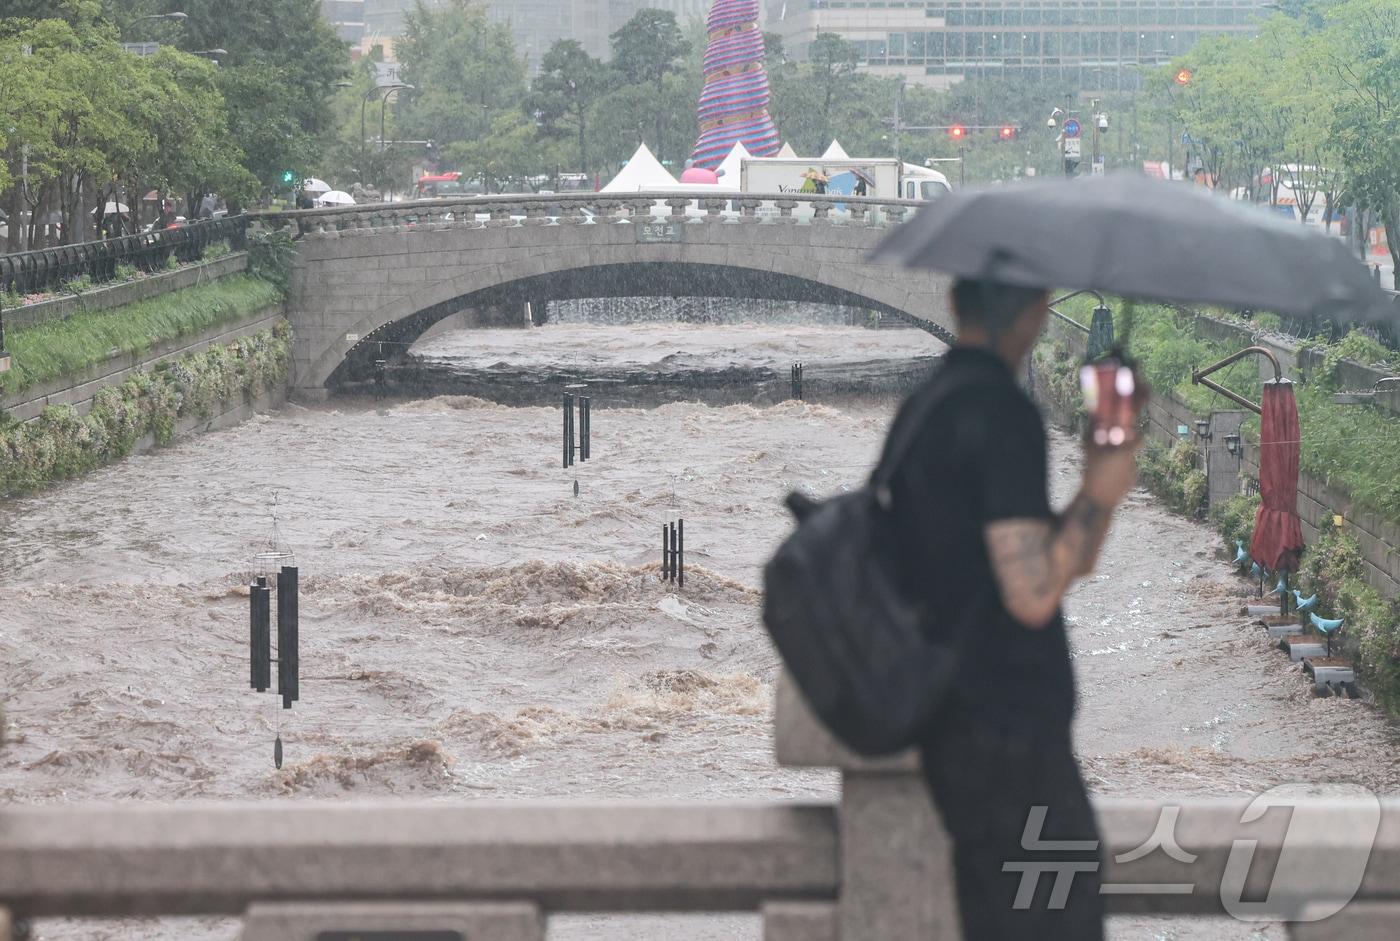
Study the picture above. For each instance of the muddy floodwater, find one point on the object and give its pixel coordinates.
(472, 629)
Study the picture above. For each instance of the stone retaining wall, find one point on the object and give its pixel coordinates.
(128, 292)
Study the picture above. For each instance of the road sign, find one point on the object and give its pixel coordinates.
(1072, 128)
(1072, 147)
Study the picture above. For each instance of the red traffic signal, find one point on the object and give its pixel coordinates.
(1007, 132)
(957, 132)
(1183, 77)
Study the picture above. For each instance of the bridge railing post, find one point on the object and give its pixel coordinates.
(679, 207)
(785, 208)
(896, 867)
(609, 210)
(713, 207)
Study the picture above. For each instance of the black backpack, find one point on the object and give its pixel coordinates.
(853, 640)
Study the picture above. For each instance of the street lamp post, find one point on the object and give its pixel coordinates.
(387, 90)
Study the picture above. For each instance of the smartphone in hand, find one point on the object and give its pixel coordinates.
(1110, 387)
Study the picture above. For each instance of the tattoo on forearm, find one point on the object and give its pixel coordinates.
(1035, 560)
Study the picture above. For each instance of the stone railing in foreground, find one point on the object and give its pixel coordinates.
(589, 208)
(873, 868)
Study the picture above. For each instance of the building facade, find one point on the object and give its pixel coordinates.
(941, 42)
(347, 16)
(538, 24)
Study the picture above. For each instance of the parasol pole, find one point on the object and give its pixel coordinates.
(1199, 376)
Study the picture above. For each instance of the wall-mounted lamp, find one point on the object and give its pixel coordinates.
(1232, 444)
(1203, 429)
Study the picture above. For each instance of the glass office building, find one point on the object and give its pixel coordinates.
(940, 42)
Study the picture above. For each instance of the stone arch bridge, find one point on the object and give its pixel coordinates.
(369, 280)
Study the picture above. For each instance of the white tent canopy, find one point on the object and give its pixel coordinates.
(836, 152)
(642, 172)
(729, 170)
(787, 151)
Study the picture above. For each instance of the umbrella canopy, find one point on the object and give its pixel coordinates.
(1278, 536)
(313, 185)
(112, 209)
(1142, 239)
(336, 198)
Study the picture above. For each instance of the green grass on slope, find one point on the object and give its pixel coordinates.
(49, 350)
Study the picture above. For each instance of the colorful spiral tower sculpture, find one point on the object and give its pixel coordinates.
(734, 104)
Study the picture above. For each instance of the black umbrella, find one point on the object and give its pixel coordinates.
(1139, 238)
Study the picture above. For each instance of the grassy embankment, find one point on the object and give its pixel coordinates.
(1354, 447)
(66, 347)
(61, 443)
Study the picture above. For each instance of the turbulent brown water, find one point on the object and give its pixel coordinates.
(471, 629)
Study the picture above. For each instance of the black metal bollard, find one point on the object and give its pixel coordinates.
(288, 631)
(797, 381)
(260, 634)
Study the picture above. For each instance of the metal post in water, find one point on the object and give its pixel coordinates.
(665, 553)
(288, 637)
(260, 634)
(568, 429)
(585, 418)
(680, 553)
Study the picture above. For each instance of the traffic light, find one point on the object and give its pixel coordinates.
(1007, 132)
(957, 132)
(289, 177)
(1183, 77)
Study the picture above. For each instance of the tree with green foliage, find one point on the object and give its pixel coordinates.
(570, 83)
(508, 156)
(277, 75)
(1363, 40)
(833, 61)
(647, 50)
(464, 71)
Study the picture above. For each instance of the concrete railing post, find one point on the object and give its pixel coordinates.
(896, 860)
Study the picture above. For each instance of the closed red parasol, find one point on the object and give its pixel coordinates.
(1278, 537)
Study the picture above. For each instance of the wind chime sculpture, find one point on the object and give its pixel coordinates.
(734, 104)
(275, 569)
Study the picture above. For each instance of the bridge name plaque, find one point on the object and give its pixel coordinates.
(654, 232)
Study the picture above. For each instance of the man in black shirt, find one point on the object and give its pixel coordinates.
(982, 550)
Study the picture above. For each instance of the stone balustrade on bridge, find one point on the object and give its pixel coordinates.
(874, 867)
(369, 280)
